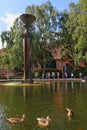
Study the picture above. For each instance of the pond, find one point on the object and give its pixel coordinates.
(40, 101)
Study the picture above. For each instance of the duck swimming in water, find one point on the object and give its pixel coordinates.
(69, 112)
(83, 80)
(17, 120)
(44, 122)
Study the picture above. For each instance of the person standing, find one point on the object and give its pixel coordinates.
(53, 75)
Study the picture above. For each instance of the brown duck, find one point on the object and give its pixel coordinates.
(69, 112)
(44, 122)
(17, 120)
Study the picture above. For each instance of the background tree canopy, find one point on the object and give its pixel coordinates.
(51, 29)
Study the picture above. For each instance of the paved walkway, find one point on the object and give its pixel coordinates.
(41, 80)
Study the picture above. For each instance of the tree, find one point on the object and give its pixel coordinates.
(12, 59)
(45, 25)
(80, 33)
(43, 41)
(73, 31)
(65, 32)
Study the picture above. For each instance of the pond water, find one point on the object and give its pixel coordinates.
(50, 99)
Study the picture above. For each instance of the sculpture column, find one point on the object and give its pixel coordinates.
(27, 20)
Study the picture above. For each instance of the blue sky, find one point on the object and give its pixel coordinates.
(10, 9)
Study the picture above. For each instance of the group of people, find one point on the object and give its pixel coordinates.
(57, 75)
(48, 75)
(71, 75)
(66, 75)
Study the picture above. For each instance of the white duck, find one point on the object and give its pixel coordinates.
(44, 122)
(83, 80)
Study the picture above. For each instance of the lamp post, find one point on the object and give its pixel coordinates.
(27, 20)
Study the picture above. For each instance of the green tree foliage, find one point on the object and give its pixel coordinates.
(73, 31)
(80, 33)
(43, 40)
(77, 22)
(65, 33)
(67, 29)
(45, 25)
(12, 59)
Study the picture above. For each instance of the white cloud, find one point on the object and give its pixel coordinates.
(7, 22)
(9, 19)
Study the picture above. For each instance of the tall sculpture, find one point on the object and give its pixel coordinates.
(27, 20)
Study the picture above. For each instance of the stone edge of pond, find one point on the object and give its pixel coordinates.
(36, 82)
(15, 83)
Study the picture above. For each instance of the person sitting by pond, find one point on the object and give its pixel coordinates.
(17, 120)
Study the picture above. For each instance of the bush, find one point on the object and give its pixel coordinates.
(82, 70)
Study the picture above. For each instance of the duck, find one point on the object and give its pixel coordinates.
(17, 120)
(69, 112)
(44, 122)
(83, 80)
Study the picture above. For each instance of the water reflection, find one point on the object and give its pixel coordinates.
(50, 99)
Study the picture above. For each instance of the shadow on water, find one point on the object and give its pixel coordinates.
(49, 99)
